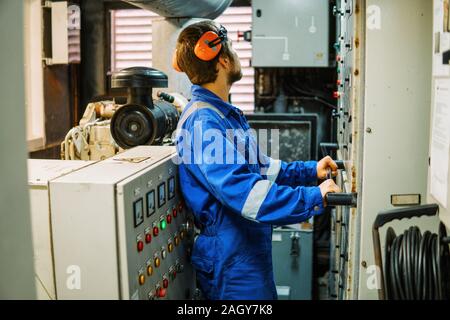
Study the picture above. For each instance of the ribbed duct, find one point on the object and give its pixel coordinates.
(209, 9)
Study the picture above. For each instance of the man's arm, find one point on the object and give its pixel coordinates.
(242, 191)
(297, 173)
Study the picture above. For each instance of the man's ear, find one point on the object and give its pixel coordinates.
(224, 62)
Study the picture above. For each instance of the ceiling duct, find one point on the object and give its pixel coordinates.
(208, 9)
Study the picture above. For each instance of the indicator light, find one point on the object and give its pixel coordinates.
(141, 279)
(182, 234)
(176, 240)
(163, 253)
(169, 218)
(140, 245)
(174, 212)
(163, 224)
(161, 292)
(170, 247)
(149, 270)
(157, 262)
(148, 238)
(155, 231)
(165, 283)
(336, 94)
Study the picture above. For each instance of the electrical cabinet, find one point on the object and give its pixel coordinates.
(383, 66)
(290, 33)
(114, 229)
(40, 173)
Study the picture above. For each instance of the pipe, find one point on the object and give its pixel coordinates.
(208, 9)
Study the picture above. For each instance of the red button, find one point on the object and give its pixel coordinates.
(336, 94)
(140, 246)
(148, 238)
(338, 58)
(155, 231)
(174, 212)
(161, 292)
(169, 219)
(339, 82)
(165, 283)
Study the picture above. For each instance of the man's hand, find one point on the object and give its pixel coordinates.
(328, 186)
(325, 165)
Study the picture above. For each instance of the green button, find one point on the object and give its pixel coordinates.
(163, 224)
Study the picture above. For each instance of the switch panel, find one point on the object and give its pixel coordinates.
(290, 33)
(123, 245)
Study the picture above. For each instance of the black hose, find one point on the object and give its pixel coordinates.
(416, 265)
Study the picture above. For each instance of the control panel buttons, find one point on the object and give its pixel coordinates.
(149, 270)
(174, 212)
(161, 292)
(148, 238)
(163, 253)
(172, 273)
(141, 279)
(170, 247)
(157, 262)
(169, 218)
(336, 94)
(162, 223)
(176, 240)
(182, 234)
(165, 282)
(155, 231)
(139, 243)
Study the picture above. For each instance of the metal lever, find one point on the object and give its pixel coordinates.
(295, 246)
(342, 199)
(340, 164)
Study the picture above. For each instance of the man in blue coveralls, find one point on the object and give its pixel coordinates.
(235, 192)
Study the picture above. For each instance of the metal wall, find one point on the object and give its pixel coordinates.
(16, 267)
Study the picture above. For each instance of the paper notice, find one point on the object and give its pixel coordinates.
(440, 142)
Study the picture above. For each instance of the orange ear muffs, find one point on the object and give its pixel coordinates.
(210, 44)
(175, 62)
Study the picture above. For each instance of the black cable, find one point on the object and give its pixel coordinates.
(417, 265)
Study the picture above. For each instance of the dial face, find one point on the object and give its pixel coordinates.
(151, 205)
(161, 194)
(138, 211)
(171, 187)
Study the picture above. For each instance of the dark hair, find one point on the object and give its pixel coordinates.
(199, 71)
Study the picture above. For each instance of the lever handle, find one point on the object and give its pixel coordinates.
(340, 164)
(342, 199)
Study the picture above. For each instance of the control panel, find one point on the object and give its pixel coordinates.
(343, 218)
(375, 95)
(127, 228)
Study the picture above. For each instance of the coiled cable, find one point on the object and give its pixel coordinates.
(417, 265)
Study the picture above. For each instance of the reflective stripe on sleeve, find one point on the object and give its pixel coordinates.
(273, 170)
(256, 198)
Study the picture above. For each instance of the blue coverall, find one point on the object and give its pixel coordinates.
(235, 204)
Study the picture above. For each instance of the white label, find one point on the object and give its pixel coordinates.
(277, 237)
